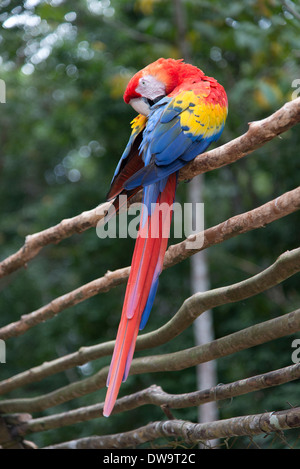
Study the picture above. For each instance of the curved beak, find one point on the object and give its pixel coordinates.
(140, 105)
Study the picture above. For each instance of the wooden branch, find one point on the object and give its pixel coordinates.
(285, 266)
(191, 433)
(66, 228)
(259, 133)
(260, 217)
(156, 396)
(27, 321)
(237, 341)
(256, 218)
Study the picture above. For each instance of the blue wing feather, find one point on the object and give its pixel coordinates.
(166, 145)
(172, 148)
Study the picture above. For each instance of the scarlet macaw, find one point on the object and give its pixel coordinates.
(181, 112)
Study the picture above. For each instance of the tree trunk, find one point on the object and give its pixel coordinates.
(203, 326)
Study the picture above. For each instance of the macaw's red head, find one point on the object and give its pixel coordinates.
(154, 82)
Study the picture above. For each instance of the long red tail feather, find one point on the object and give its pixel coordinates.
(146, 266)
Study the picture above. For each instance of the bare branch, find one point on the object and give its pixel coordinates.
(35, 242)
(102, 284)
(257, 218)
(191, 432)
(259, 133)
(237, 341)
(156, 396)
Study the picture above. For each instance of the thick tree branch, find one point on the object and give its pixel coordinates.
(284, 205)
(285, 266)
(235, 342)
(257, 218)
(66, 228)
(191, 432)
(156, 396)
(259, 133)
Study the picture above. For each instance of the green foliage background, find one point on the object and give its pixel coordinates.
(62, 130)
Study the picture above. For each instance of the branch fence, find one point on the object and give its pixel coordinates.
(16, 419)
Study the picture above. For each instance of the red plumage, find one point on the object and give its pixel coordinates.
(147, 262)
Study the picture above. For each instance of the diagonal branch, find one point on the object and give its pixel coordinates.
(256, 218)
(191, 433)
(66, 228)
(259, 133)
